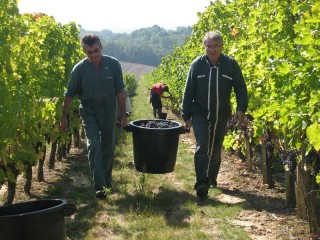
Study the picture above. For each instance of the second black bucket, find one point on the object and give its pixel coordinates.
(155, 149)
(163, 115)
(35, 220)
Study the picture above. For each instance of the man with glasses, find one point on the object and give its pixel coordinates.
(206, 107)
(98, 82)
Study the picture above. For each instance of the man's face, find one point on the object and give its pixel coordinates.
(213, 50)
(94, 53)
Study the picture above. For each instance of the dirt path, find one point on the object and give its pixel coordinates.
(265, 215)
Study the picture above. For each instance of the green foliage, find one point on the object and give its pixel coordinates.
(36, 56)
(130, 82)
(277, 46)
(313, 134)
(318, 178)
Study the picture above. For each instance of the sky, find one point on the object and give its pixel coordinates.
(119, 16)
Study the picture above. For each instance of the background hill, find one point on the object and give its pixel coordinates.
(144, 46)
(136, 69)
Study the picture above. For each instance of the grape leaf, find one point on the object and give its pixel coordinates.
(313, 135)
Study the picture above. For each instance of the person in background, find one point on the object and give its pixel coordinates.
(156, 93)
(98, 82)
(206, 107)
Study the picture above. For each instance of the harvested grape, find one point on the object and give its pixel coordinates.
(158, 124)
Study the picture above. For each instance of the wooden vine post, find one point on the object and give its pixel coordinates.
(248, 153)
(266, 167)
(300, 190)
(307, 208)
(11, 191)
(290, 190)
(289, 183)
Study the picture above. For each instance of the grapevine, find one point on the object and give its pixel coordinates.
(267, 139)
(36, 56)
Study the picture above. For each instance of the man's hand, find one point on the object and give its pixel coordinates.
(124, 121)
(240, 118)
(188, 124)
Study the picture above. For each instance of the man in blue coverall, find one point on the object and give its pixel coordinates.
(206, 107)
(98, 82)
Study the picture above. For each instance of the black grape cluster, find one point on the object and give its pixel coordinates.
(157, 124)
(232, 124)
(289, 160)
(246, 127)
(269, 147)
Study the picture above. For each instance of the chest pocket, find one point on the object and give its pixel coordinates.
(202, 82)
(106, 80)
(227, 77)
(226, 83)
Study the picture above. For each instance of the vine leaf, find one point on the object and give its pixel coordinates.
(313, 134)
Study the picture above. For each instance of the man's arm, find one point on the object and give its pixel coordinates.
(67, 101)
(163, 95)
(121, 99)
(240, 89)
(188, 96)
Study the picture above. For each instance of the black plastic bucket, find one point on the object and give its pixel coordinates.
(35, 220)
(155, 149)
(163, 115)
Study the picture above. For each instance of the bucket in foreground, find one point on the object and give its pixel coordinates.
(155, 149)
(35, 220)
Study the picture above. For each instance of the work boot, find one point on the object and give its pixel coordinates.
(202, 191)
(100, 193)
(213, 183)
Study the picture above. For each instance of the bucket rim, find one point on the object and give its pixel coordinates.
(132, 124)
(60, 204)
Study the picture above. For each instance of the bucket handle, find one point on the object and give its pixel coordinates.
(69, 209)
(184, 130)
(128, 128)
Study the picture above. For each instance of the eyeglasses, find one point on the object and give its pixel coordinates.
(95, 51)
(213, 47)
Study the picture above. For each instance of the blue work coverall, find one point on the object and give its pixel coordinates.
(206, 102)
(97, 90)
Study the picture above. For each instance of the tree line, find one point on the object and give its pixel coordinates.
(144, 46)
